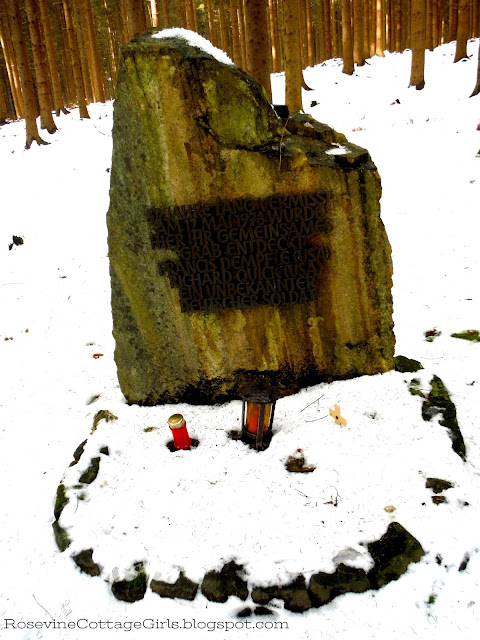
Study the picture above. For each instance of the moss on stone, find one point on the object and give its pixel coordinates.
(295, 595)
(182, 588)
(61, 501)
(439, 401)
(414, 388)
(218, 586)
(61, 536)
(77, 454)
(131, 590)
(473, 335)
(103, 414)
(84, 560)
(324, 587)
(406, 365)
(392, 555)
(91, 473)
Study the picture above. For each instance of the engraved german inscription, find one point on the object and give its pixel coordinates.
(242, 253)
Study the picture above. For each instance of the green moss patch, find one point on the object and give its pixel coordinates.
(439, 401)
(414, 388)
(406, 365)
(103, 414)
(61, 501)
(131, 590)
(471, 334)
(61, 536)
(77, 454)
(324, 587)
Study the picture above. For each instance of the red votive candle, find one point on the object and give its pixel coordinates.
(178, 426)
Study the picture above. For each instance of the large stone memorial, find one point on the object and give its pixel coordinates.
(244, 249)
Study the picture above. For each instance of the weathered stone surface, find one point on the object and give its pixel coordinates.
(190, 130)
(182, 588)
(406, 365)
(437, 485)
(131, 590)
(392, 554)
(218, 586)
(91, 473)
(61, 536)
(324, 587)
(84, 560)
(294, 595)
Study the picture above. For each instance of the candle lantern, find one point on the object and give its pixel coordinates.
(257, 419)
(178, 426)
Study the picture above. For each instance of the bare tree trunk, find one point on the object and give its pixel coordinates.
(347, 37)
(57, 96)
(94, 60)
(463, 29)
(380, 31)
(476, 91)
(358, 29)
(11, 64)
(327, 29)
(293, 60)
(26, 81)
(417, 78)
(452, 20)
(41, 73)
(258, 63)
(243, 37)
(75, 61)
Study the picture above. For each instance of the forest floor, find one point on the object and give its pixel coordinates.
(193, 511)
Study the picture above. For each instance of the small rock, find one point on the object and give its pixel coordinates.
(406, 365)
(294, 595)
(324, 587)
(84, 561)
(182, 588)
(218, 586)
(91, 473)
(392, 554)
(61, 536)
(131, 590)
(437, 485)
(438, 499)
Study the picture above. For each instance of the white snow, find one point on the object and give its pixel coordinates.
(194, 39)
(194, 510)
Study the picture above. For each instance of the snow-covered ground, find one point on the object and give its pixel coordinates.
(193, 510)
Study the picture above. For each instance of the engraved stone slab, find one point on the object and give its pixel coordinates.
(243, 249)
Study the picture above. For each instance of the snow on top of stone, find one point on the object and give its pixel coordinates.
(195, 40)
(339, 150)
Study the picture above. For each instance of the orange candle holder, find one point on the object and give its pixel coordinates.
(257, 419)
(178, 427)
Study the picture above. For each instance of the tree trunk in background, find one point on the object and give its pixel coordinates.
(10, 62)
(319, 30)
(347, 37)
(358, 28)
(293, 60)
(235, 24)
(211, 29)
(463, 29)
(327, 29)
(272, 29)
(41, 72)
(476, 91)
(26, 81)
(57, 97)
(258, 58)
(452, 20)
(309, 25)
(380, 29)
(417, 78)
(3, 104)
(94, 60)
(242, 31)
(75, 61)
(223, 27)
